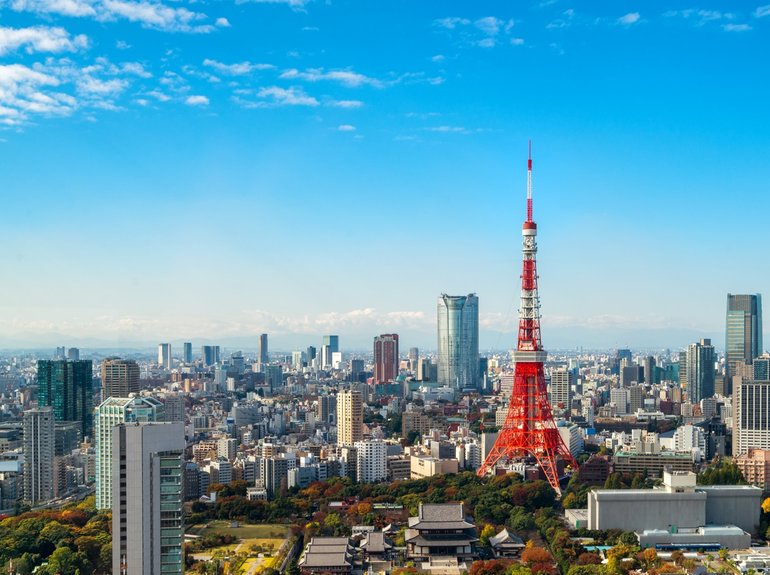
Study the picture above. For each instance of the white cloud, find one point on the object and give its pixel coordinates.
(121, 45)
(736, 27)
(487, 43)
(295, 4)
(223, 23)
(489, 25)
(40, 39)
(197, 101)
(346, 103)
(95, 86)
(24, 91)
(151, 14)
(628, 19)
(451, 23)
(438, 58)
(275, 97)
(517, 41)
(78, 8)
(135, 68)
(762, 11)
(346, 128)
(344, 77)
(449, 129)
(237, 69)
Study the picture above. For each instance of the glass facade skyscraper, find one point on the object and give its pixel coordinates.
(458, 341)
(743, 336)
(699, 371)
(67, 386)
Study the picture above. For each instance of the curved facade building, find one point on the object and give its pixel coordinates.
(458, 341)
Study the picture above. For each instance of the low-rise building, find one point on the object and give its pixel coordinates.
(441, 535)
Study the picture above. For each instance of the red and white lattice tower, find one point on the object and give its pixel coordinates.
(529, 429)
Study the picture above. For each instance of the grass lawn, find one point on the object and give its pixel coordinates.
(268, 537)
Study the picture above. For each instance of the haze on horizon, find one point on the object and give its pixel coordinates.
(213, 171)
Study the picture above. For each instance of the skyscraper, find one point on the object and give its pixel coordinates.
(147, 528)
(751, 415)
(743, 336)
(114, 411)
(73, 354)
(187, 352)
(458, 341)
(67, 386)
(561, 390)
(164, 355)
(350, 417)
(650, 375)
(210, 354)
(119, 377)
(310, 355)
(699, 371)
(385, 357)
(414, 356)
(331, 345)
(38, 455)
(262, 354)
(273, 376)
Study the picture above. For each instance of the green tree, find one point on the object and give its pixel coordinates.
(487, 532)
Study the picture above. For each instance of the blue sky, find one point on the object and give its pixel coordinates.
(217, 169)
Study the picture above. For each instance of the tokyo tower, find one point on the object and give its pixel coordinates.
(529, 429)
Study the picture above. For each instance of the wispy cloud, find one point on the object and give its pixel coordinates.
(40, 39)
(630, 18)
(276, 97)
(563, 21)
(155, 14)
(736, 27)
(236, 69)
(346, 77)
(350, 104)
(762, 11)
(294, 4)
(451, 22)
(346, 128)
(197, 100)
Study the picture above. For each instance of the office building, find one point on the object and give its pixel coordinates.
(458, 341)
(385, 357)
(678, 504)
(67, 387)
(273, 377)
(743, 335)
(73, 354)
(751, 415)
(350, 417)
(561, 391)
(164, 355)
(114, 411)
(147, 519)
(650, 371)
(371, 461)
(120, 377)
(187, 352)
(263, 356)
(38, 455)
(331, 345)
(326, 409)
(414, 355)
(210, 354)
(699, 371)
(631, 374)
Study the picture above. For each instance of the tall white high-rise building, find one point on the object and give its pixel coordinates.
(39, 449)
(114, 411)
(350, 417)
(147, 519)
(561, 391)
(751, 415)
(458, 341)
(371, 461)
(164, 355)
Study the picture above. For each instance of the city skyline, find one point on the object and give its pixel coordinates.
(649, 132)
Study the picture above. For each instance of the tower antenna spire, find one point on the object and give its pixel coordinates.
(529, 184)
